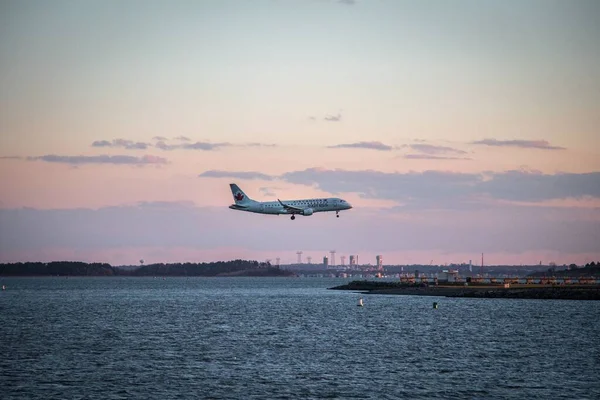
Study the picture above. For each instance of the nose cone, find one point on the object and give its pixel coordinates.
(348, 205)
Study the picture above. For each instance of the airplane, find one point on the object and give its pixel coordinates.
(304, 207)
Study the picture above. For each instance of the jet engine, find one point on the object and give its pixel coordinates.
(307, 211)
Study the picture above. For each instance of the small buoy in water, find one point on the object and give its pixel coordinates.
(435, 305)
(3, 287)
(360, 302)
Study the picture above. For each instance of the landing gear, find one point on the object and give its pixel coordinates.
(293, 217)
(337, 214)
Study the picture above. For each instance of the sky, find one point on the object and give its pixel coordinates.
(453, 128)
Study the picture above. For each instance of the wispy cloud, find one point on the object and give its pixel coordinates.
(11, 158)
(438, 189)
(121, 143)
(101, 159)
(431, 157)
(328, 117)
(256, 144)
(521, 185)
(182, 138)
(441, 187)
(235, 175)
(159, 138)
(433, 149)
(206, 146)
(268, 191)
(333, 118)
(433, 152)
(347, 2)
(526, 144)
(363, 145)
(384, 185)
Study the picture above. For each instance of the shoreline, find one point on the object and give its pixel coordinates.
(558, 292)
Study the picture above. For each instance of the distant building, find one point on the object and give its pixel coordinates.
(448, 275)
(325, 261)
(352, 260)
(379, 259)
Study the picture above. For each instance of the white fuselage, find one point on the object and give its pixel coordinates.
(304, 207)
(290, 207)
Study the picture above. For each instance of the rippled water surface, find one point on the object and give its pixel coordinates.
(278, 338)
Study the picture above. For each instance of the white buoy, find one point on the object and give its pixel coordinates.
(360, 302)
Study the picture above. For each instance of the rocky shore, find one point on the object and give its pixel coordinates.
(562, 292)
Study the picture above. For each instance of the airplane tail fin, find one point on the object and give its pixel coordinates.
(238, 194)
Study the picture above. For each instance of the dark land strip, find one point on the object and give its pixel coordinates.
(563, 292)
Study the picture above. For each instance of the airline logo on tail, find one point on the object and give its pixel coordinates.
(238, 195)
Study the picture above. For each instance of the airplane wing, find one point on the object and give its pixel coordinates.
(291, 208)
(238, 207)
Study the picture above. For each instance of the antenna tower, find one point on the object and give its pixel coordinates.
(299, 257)
(481, 269)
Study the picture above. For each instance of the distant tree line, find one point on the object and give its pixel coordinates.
(73, 268)
(589, 269)
(76, 268)
(203, 269)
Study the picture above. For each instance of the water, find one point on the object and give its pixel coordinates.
(284, 338)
